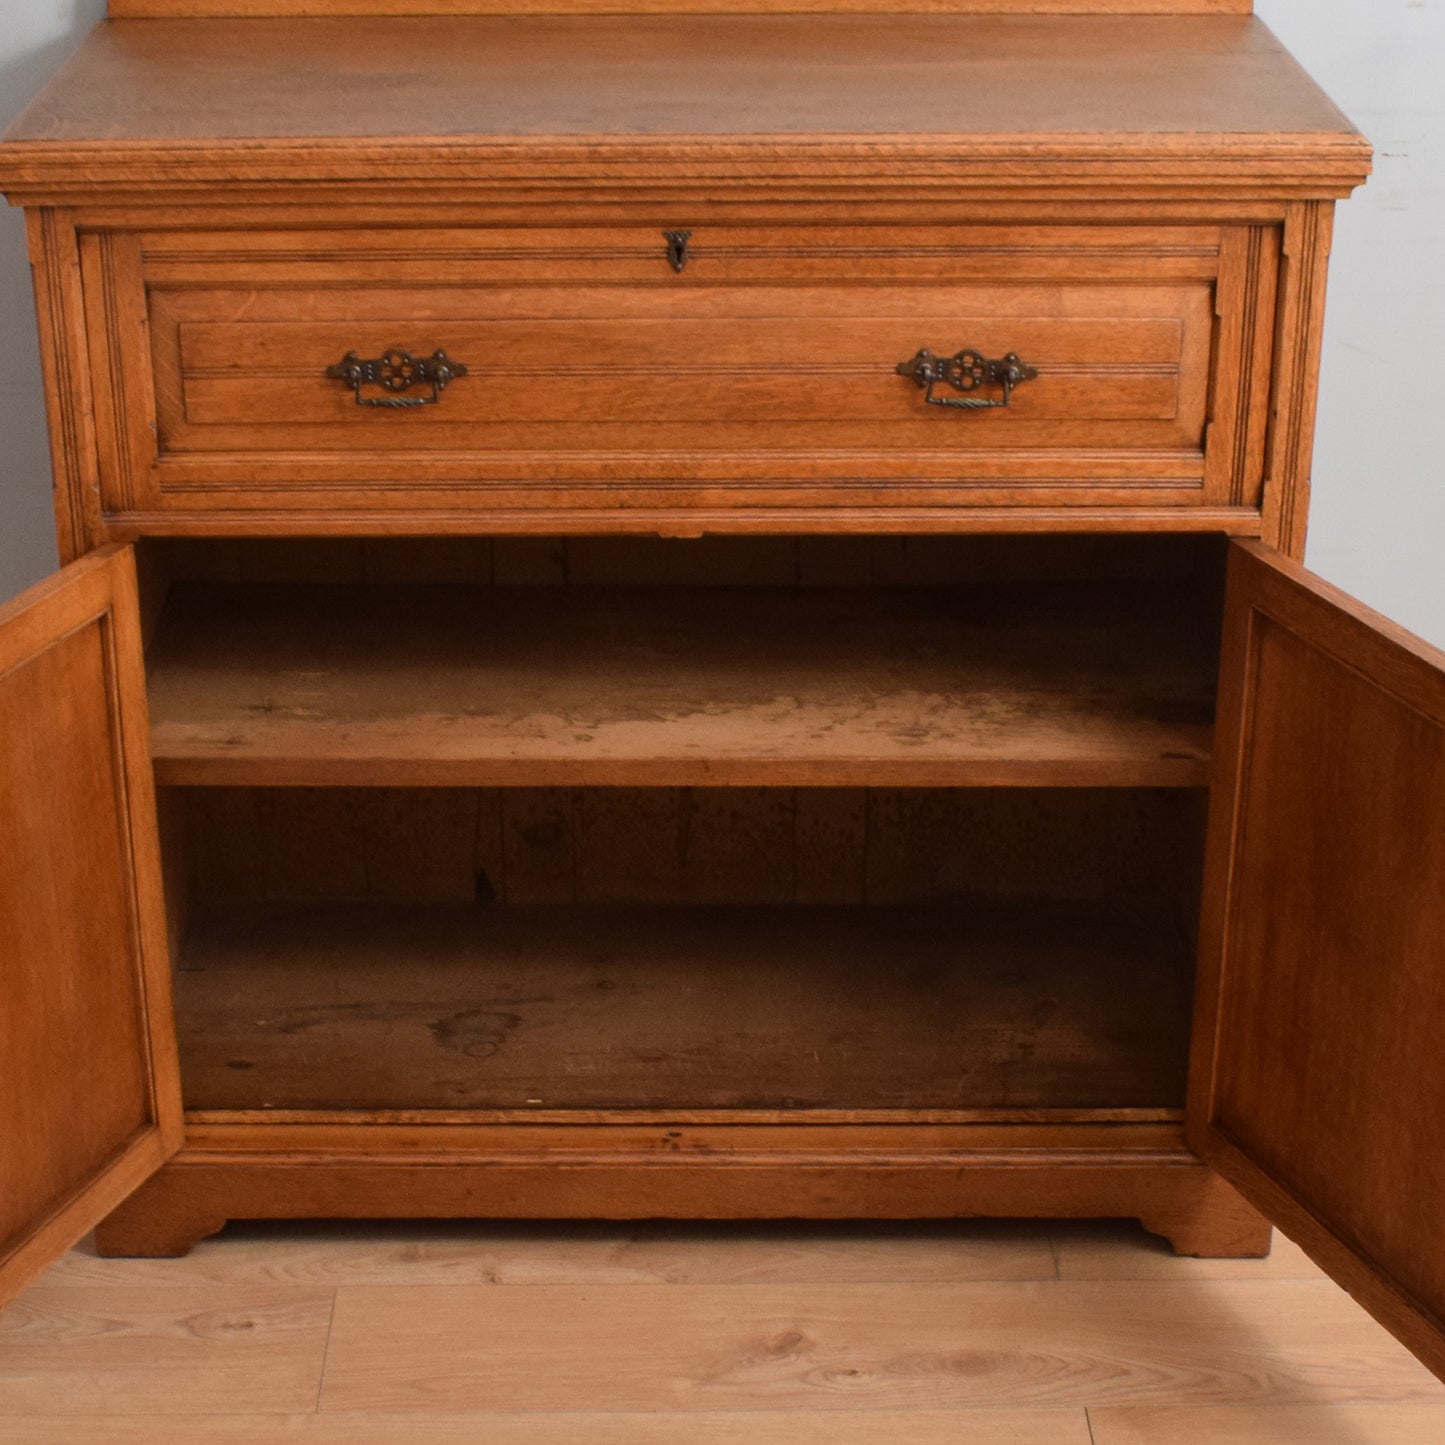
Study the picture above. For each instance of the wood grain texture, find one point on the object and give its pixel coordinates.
(1322, 933)
(60, 314)
(684, 75)
(1308, 232)
(1332, 1424)
(624, 243)
(449, 515)
(707, 383)
(1136, 850)
(960, 1346)
(802, 1269)
(123, 394)
(1197, 105)
(87, 1047)
(1246, 304)
(263, 1169)
(599, 377)
(763, 1427)
(443, 1252)
(778, 560)
(662, 1008)
(1172, 125)
(183, 1351)
(1119, 1251)
(1084, 687)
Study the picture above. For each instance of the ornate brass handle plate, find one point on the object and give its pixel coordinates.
(397, 371)
(967, 371)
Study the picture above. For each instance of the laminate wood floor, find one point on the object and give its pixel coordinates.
(438, 1334)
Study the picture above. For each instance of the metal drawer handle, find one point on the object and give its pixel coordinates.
(967, 370)
(397, 371)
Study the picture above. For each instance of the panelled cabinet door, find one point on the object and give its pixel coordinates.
(89, 1093)
(1319, 1077)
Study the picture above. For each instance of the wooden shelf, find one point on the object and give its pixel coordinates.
(857, 1009)
(1070, 685)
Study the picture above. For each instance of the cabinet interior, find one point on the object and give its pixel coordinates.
(929, 846)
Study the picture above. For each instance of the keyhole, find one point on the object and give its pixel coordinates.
(677, 248)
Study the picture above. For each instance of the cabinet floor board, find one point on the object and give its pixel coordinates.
(1091, 685)
(593, 1007)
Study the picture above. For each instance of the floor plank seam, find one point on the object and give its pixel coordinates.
(326, 1352)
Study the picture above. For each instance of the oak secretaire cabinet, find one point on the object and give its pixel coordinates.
(694, 614)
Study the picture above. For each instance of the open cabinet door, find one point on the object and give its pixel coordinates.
(1318, 1085)
(89, 1091)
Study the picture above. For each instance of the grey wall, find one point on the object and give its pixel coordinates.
(35, 35)
(1377, 519)
(1378, 516)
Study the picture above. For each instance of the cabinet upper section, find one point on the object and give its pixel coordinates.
(786, 105)
(375, 272)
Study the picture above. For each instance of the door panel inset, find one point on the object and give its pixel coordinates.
(87, 1072)
(1320, 1076)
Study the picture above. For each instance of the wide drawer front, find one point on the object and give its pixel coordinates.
(522, 371)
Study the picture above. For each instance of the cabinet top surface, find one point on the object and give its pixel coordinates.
(182, 81)
(1145, 101)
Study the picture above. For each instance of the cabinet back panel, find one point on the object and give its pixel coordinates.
(736, 561)
(694, 845)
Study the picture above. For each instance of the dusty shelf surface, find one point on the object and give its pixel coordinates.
(585, 1007)
(1066, 685)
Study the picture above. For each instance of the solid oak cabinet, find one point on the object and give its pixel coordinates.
(696, 615)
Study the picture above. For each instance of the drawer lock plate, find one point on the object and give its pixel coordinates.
(967, 371)
(397, 371)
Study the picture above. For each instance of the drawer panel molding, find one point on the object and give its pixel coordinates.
(591, 374)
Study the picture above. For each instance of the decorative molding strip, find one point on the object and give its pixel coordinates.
(1102, 166)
